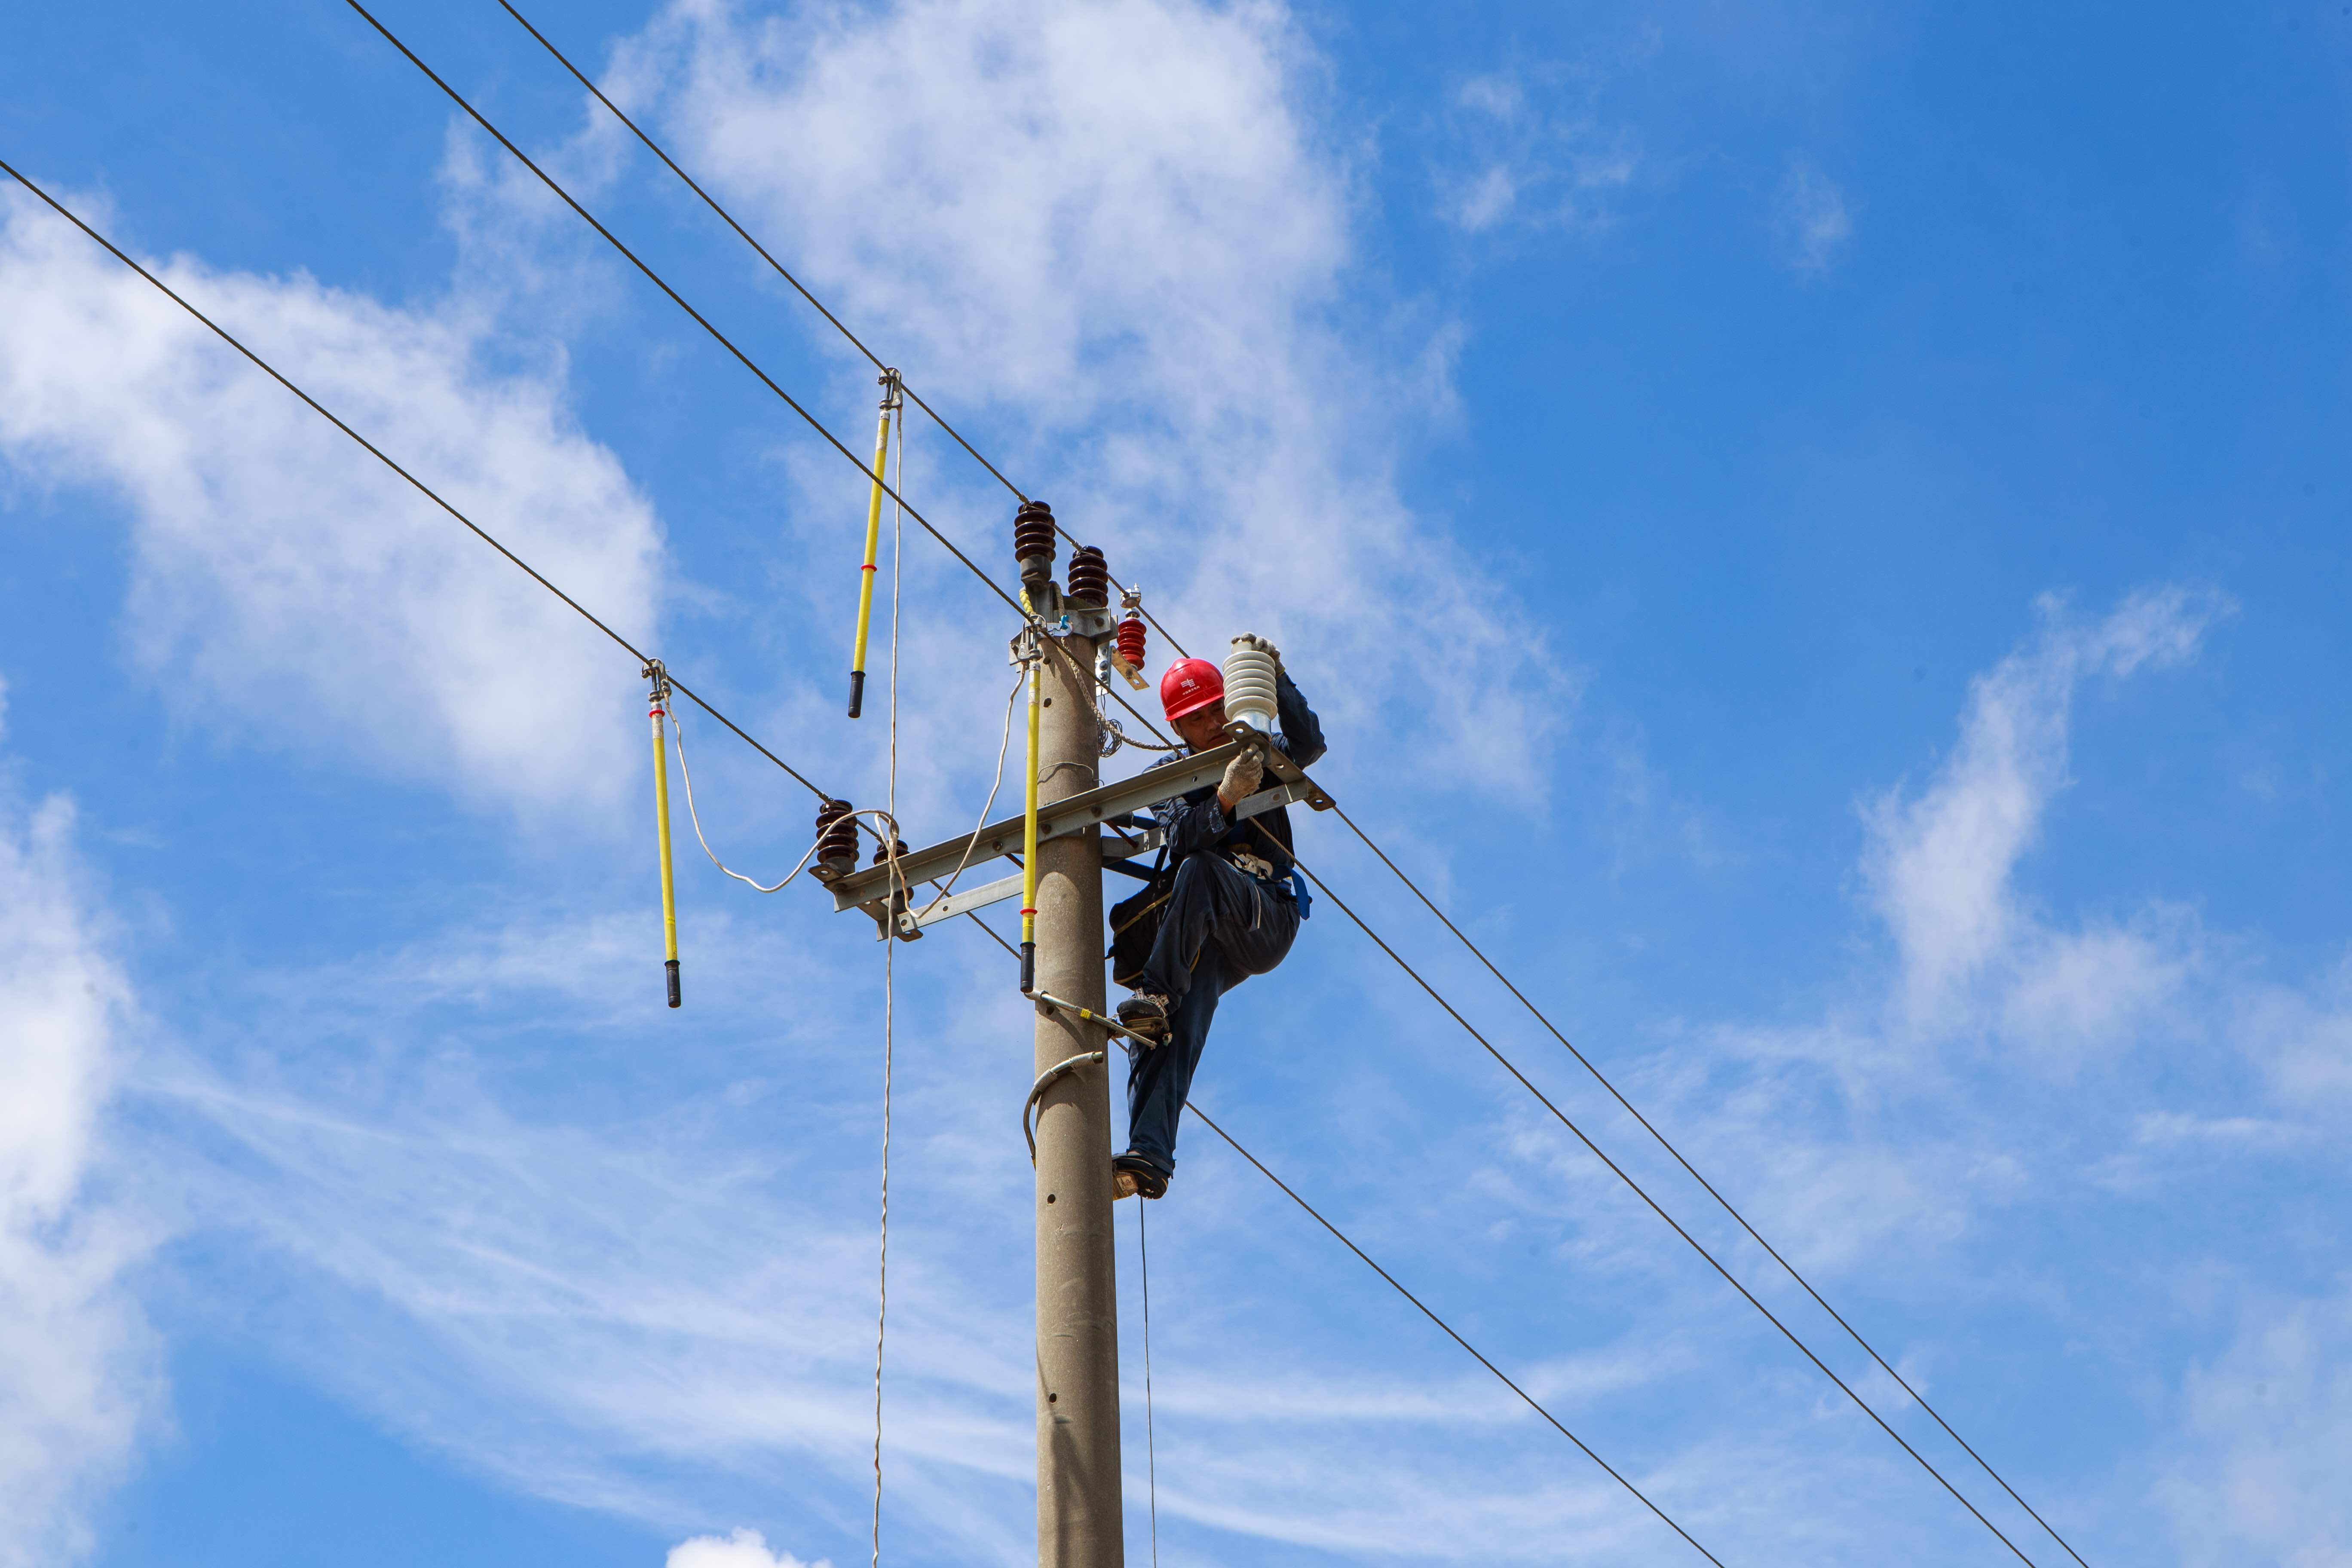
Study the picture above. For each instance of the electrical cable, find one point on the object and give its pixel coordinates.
(1448, 1329)
(798, 287)
(679, 300)
(1741, 1219)
(380, 455)
(1002, 746)
(1642, 1194)
(688, 774)
(1443, 1326)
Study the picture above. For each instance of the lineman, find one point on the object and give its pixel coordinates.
(1228, 909)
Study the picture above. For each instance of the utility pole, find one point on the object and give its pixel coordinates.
(1080, 1522)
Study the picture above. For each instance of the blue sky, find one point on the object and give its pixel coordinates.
(1817, 536)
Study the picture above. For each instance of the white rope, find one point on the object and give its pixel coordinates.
(1151, 1439)
(890, 959)
(1003, 744)
(688, 774)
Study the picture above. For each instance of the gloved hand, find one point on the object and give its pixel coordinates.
(1251, 640)
(1243, 775)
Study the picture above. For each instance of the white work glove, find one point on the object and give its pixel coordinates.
(1243, 775)
(1251, 640)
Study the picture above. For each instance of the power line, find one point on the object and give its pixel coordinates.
(380, 455)
(782, 271)
(679, 300)
(1448, 1329)
(1665, 1143)
(1642, 1194)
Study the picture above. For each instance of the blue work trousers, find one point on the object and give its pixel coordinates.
(1220, 926)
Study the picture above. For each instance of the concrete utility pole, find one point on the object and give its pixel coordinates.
(1079, 1518)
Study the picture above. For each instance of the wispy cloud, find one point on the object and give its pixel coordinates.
(1813, 219)
(79, 1373)
(282, 578)
(1525, 148)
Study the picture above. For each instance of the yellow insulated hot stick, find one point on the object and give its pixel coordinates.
(1029, 844)
(873, 544)
(658, 710)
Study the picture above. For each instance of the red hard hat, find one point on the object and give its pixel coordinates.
(1190, 685)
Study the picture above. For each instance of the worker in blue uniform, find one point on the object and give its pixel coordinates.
(1230, 910)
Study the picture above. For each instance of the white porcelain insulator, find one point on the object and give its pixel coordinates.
(1249, 688)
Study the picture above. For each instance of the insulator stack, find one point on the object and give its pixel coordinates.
(1130, 642)
(837, 840)
(1032, 540)
(1249, 688)
(1089, 577)
(882, 851)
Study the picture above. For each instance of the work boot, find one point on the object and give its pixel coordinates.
(1145, 1015)
(1132, 1174)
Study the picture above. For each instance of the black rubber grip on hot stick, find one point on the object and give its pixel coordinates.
(856, 691)
(670, 966)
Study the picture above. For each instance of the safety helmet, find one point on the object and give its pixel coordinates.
(1190, 685)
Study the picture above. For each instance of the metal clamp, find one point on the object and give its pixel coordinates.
(1045, 1081)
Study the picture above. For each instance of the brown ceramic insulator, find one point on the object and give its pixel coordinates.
(1089, 577)
(1033, 539)
(837, 839)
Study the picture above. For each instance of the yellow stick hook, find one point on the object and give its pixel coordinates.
(889, 380)
(1029, 835)
(658, 710)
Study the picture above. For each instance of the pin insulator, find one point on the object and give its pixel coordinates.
(1130, 642)
(882, 852)
(1089, 577)
(837, 840)
(1032, 540)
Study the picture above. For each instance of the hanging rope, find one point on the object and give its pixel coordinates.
(889, 966)
(1151, 1441)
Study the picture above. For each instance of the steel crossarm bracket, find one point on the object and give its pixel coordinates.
(1076, 814)
(1004, 888)
(869, 888)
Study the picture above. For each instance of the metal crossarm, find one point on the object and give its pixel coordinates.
(869, 890)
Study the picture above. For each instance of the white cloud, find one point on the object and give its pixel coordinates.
(1525, 148)
(78, 1374)
(1813, 217)
(1120, 226)
(2270, 1442)
(281, 577)
(745, 1548)
(1939, 865)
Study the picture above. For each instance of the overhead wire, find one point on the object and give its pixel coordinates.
(1639, 1191)
(782, 271)
(679, 300)
(950, 545)
(385, 459)
(1422, 1307)
(1692, 1170)
(1505, 1378)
